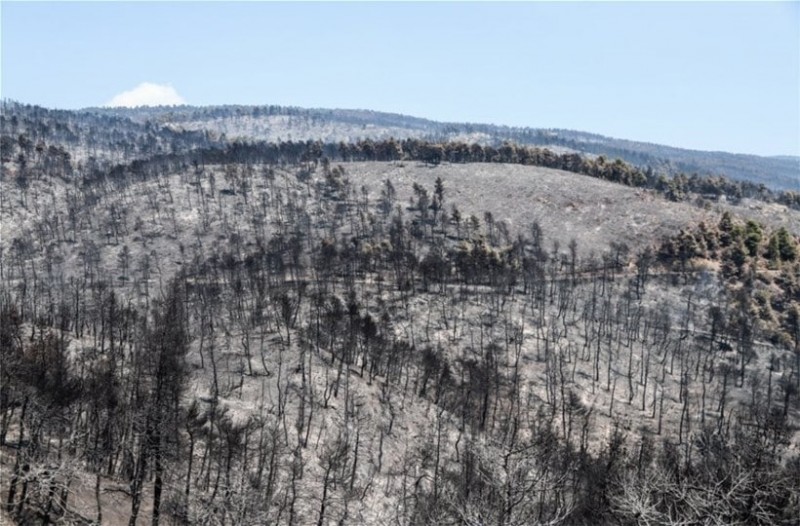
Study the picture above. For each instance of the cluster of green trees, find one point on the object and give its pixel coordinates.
(763, 263)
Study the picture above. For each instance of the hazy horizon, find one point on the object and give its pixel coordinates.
(708, 76)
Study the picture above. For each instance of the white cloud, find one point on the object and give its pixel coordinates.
(147, 94)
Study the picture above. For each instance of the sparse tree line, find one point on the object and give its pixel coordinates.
(35, 139)
(670, 161)
(677, 188)
(277, 377)
(95, 140)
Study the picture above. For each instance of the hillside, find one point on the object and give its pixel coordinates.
(201, 331)
(273, 123)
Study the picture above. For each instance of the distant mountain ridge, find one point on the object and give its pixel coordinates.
(285, 122)
(202, 126)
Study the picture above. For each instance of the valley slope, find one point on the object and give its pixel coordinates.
(196, 331)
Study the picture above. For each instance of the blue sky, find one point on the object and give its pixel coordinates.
(710, 76)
